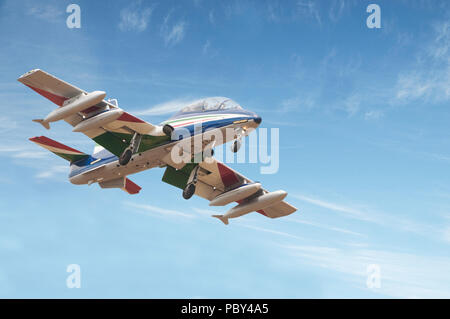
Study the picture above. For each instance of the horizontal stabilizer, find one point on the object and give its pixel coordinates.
(59, 149)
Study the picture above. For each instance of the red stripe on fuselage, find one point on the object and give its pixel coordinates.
(58, 100)
(46, 141)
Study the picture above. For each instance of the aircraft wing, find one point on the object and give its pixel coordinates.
(114, 135)
(216, 178)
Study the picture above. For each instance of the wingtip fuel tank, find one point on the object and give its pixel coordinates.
(252, 205)
(73, 106)
(236, 194)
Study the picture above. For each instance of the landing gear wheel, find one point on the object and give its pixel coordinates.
(167, 129)
(236, 146)
(125, 157)
(189, 191)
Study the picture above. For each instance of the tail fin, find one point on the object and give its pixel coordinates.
(43, 123)
(59, 149)
(222, 218)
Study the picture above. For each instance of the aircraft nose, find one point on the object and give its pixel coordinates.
(257, 119)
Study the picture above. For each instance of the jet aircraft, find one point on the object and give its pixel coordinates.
(183, 145)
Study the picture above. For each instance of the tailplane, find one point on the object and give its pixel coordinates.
(66, 152)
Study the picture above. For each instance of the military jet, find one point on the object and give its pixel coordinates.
(183, 145)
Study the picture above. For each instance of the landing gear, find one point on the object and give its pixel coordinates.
(189, 190)
(236, 146)
(168, 130)
(130, 150)
(125, 157)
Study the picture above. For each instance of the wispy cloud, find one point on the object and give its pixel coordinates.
(369, 215)
(172, 33)
(168, 107)
(22, 151)
(357, 213)
(402, 275)
(323, 226)
(7, 124)
(373, 114)
(429, 78)
(211, 17)
(205, 47)
(135, 17)
(309, 9)
(46, 12)
(155, 211)
(271, 231)
(53, 172)
(338, 8)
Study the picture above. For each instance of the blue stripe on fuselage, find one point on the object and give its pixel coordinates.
(81, 166)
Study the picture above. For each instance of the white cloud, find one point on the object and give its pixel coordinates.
(271, 231)
(332, 228)
(211, 17)
(308, 8)
(30, 154)
(373, 114)
(172, 33)
(47, 12)
(6, 124)
(352, 104)
(135, 17)
(336, 207)
(446, 234)
(338, 8)
(155, 211)
(429, 78)
(402, 275)
(370, 215)
(205, 47)
(53, 172)
(168, 107)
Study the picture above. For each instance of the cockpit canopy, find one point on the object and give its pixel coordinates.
(210, 104)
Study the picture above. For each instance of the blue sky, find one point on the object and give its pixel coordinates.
(364, 149)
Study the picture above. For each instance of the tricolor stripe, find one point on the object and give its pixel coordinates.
(198, 119)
